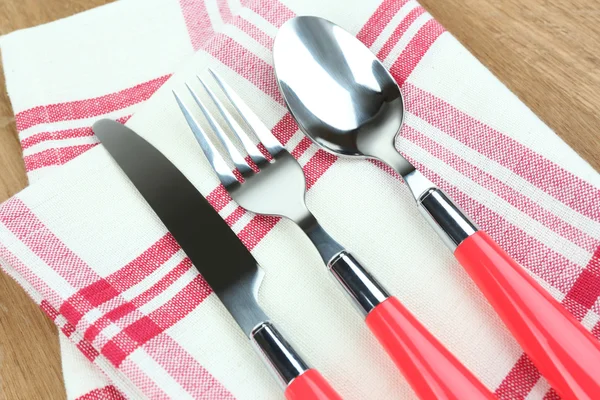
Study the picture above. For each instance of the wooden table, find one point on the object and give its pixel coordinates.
(547, 53)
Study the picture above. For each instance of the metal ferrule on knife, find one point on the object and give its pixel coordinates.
(284, 362)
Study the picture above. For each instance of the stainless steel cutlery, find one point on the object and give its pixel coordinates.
(217, 253)
(345, 100)
(277, 187)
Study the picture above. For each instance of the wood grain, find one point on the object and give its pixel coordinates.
(548, 53)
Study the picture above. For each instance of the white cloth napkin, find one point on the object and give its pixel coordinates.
(90, 251)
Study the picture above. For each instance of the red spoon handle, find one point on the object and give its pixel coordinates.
(561, 348)
(311, 386)
(432, 371)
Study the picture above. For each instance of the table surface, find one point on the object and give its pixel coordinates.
(548, 53)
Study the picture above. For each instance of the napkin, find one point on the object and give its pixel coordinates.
(90, 251)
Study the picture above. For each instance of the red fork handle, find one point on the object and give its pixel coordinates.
(311, 386)
(431, 370)
(560, 347)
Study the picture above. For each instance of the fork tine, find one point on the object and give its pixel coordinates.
(259, 129)
(250, 147)
(210, 151)
(236, 157)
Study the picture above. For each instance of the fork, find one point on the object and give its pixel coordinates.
(278, 188)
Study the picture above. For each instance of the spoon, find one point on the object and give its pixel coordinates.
(344, 99)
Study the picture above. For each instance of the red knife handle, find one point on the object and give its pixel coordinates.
(431, 370)
(311, 386)
(295, 377)
(560, 347)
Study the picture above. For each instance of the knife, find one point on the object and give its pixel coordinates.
(222, 260)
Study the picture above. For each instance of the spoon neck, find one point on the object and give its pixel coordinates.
(389, 155)
(417, 182)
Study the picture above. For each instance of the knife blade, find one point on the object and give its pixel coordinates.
(214, 249)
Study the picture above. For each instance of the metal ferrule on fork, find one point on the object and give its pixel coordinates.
(358, 284)
(362, 288)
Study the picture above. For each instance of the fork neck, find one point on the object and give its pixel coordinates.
(364, 291)
(327, 246)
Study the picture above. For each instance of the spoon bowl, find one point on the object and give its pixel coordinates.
(340, 94)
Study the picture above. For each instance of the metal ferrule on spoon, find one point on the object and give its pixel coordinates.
(345, 100)
(450, 223)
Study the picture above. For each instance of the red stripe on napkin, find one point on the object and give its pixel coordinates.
(520, 380)
(198, 23)
(541, 172)
(41, 137)
(201, 30)
(235, 216)
(219, 198)
(551, 395)
(246, 64)
(132, 306)
(285, 128)
(55, 156)
(106, 393)
(58, 135)
(143, 265)
(256, 229)
(415, 50)
(196, 380)
(585, 291)
(101, 290)
(143, 382)
(262, 38)
(138, 333)
(51, 297)
(24, 224)
(379, 20)
(504, 191)
(399, 32)
(31, 231)
(88, 108)
(273, 11)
